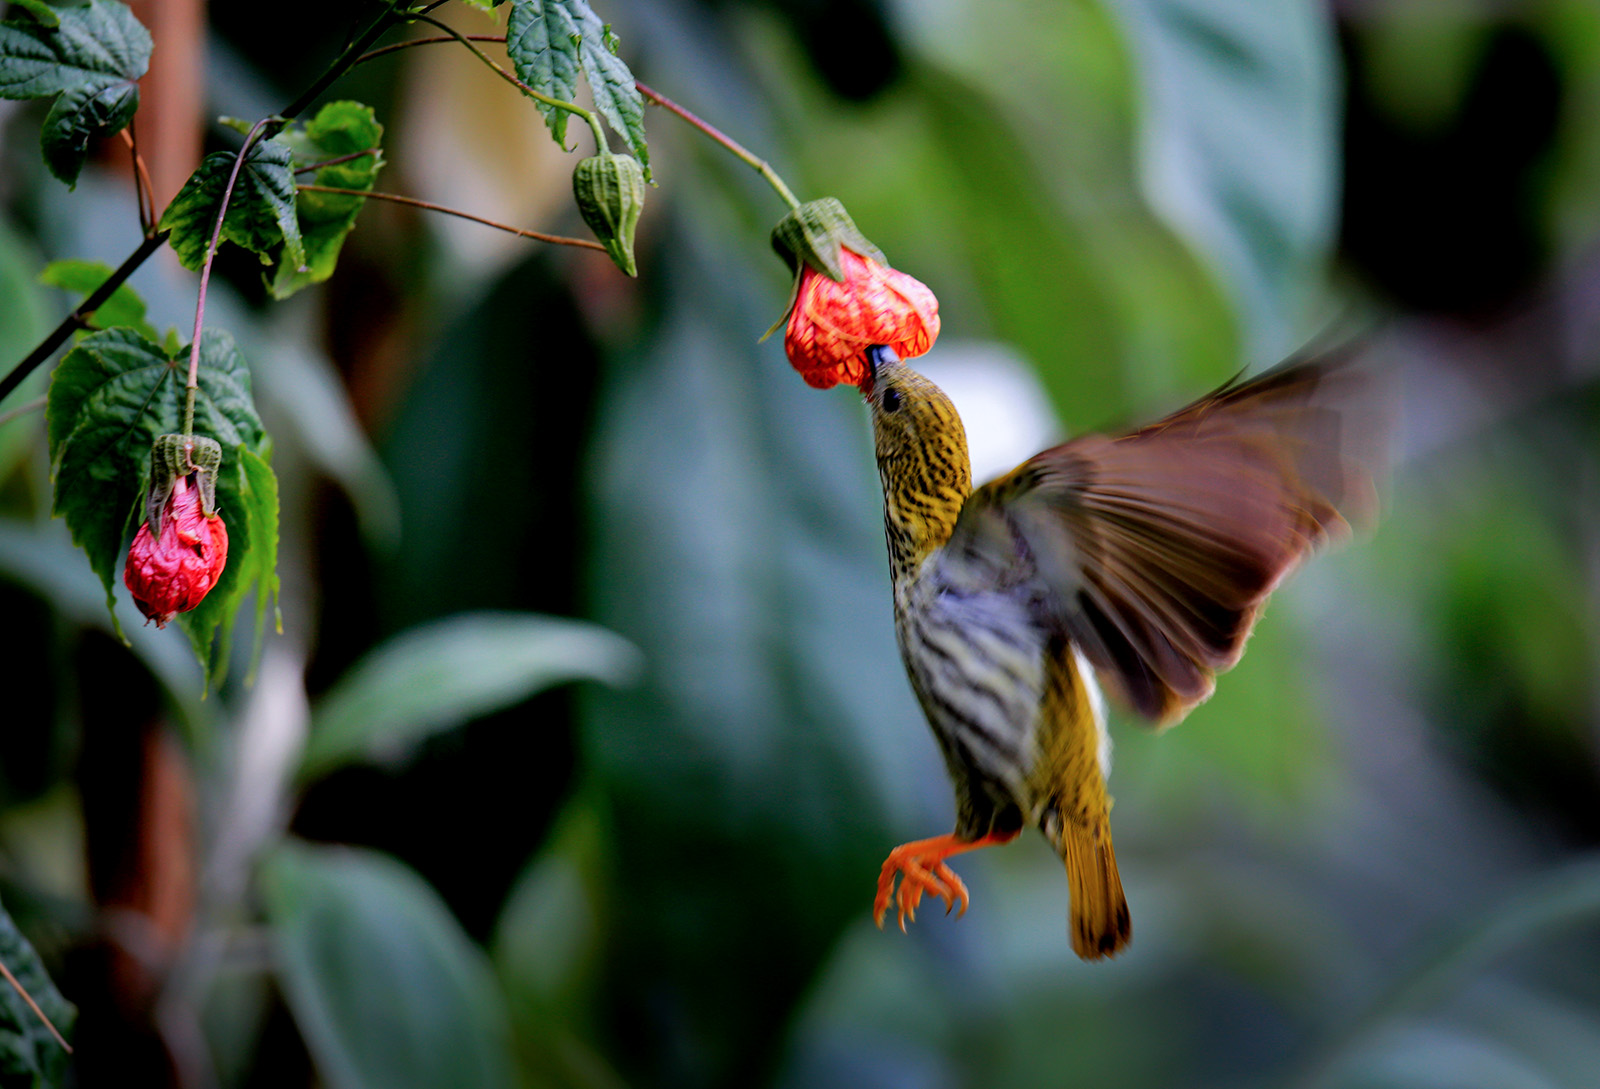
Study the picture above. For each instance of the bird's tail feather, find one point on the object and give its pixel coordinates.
(1100, 923)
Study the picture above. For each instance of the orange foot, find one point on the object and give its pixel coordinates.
(921, 868)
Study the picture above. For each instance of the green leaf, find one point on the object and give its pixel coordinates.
(261, 492)
(261, 214)
(549, 948)
(252, 561)
(92, 57)
(1240, 145)
(109, 399)
(541, 41)
(339, 129)
(615, 94)
(327, 432)
(83, 278)
(388, 991)
(438, 676)
(550, 42)
(42, 12)
(29, 1054)
(548, 941)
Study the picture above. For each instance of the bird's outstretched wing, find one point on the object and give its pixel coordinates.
(1154, 550)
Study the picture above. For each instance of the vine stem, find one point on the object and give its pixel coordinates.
(205, 272)
(310, 167)
(740, 152)
(440, 40)
(34, 1006)
(600, 142)
(560, 240)
(35, 405)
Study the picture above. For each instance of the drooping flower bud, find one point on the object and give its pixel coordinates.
(182, 546)
(847, 298)
(609, 190)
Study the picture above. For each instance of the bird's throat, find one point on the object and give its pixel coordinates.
(924, 487)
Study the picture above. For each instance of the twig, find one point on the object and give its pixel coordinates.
(309, 167)
(761, 166)
(193, 385)
(143, 191)
(22, 410)
(560, 240)
(441, 39)
(34, 1006)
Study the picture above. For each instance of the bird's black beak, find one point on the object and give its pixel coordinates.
(878, 356)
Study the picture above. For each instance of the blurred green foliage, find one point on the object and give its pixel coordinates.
(1367, 862)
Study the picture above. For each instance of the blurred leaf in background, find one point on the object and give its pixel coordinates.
(386, 987)
(30, 1052)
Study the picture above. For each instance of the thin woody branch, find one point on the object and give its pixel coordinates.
(429, 206)
(34, 1006)
(437, 40)
(311, 167)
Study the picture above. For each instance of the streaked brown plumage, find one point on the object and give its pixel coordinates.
(1142, 559)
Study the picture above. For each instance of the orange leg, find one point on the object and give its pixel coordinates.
(921, 868)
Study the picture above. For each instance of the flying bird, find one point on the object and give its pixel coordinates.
(1140, 560)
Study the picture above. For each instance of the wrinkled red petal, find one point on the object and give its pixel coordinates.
(833, 323)
(173, 574)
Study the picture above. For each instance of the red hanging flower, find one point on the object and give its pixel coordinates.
(833, 324)
(172, 573)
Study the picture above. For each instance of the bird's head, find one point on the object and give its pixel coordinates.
(922, 452)
(910, 415)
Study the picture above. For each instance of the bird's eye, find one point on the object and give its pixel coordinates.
(891, 400)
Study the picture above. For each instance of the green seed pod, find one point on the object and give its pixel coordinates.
(610, 193)
(172, 456)
(812, 234)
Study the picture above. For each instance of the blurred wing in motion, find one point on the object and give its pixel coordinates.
(1154, 551)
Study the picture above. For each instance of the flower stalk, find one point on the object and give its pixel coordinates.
(193, 385)
(740, 152)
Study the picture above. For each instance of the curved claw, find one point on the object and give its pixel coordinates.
(914, 880)
(920, 867)
(957, 888)
(917, 874)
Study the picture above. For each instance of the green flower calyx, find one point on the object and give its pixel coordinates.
(609, 190)
(172, 456)
(813, 233)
